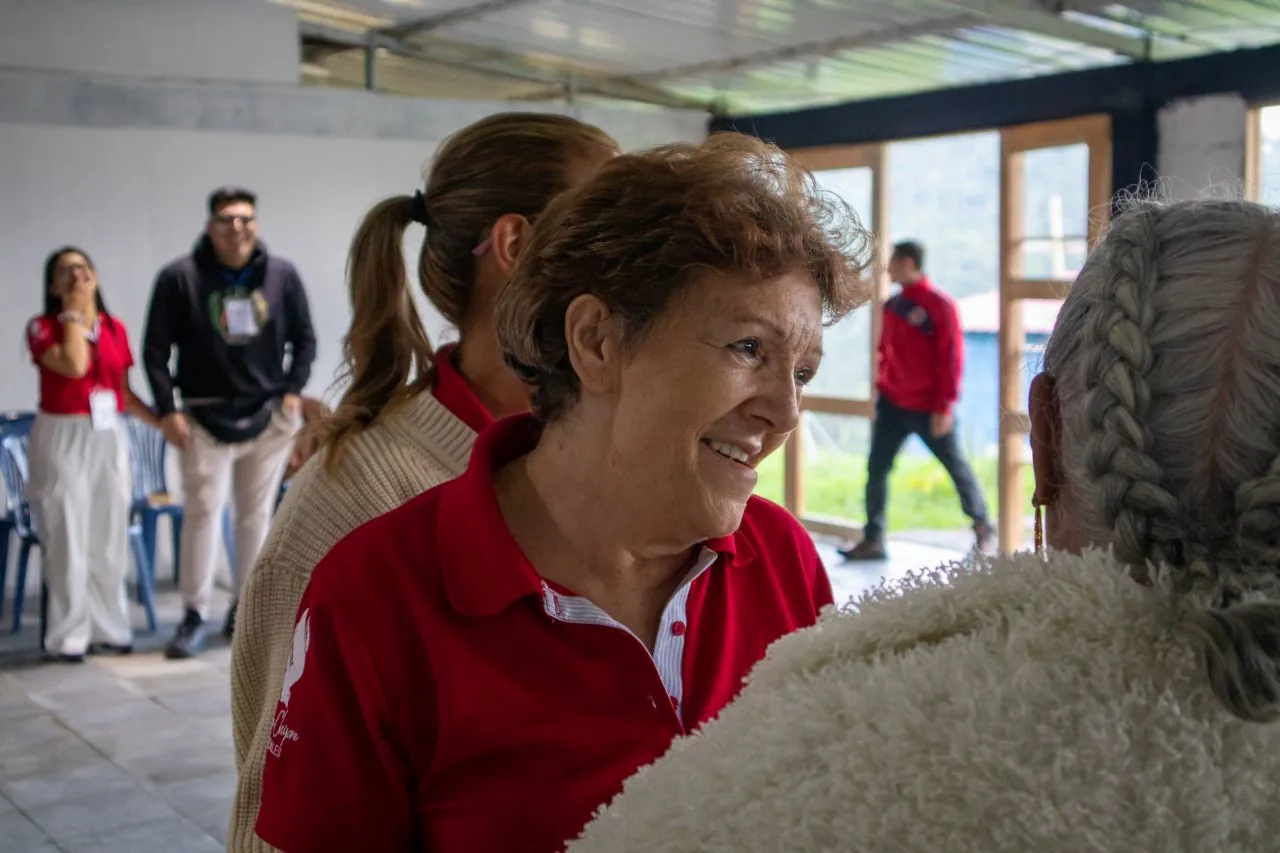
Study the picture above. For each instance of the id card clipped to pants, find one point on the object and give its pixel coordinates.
(104, 409)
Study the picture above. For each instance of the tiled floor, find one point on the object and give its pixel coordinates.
(134, 754)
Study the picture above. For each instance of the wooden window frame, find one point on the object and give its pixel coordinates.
(1015, 424)
(875, 159)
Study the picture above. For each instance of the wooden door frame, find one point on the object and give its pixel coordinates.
(874, 158)
(1253, 152)
(1015, 424)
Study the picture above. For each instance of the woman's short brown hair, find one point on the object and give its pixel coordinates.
(648, 223)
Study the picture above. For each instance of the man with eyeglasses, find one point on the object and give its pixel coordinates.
(239, 320)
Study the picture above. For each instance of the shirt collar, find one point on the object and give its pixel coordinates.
(455, 393)
(483, 567)
(924, 282)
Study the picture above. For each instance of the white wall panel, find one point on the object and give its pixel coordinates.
(231, 40)
(1201, 147)
(135, 199)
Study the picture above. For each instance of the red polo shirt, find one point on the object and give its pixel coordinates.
(455, 393)
(441, 696)
(109, 361)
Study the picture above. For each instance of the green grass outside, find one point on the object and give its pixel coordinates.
(921, 496)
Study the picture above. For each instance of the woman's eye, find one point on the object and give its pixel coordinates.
(804, 376)
(749, 347)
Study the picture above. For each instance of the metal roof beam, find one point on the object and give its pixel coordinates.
(409, 29)
(1046, 23)
(510, 66)
(808, 50)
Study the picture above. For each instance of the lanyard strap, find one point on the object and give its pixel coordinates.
(237, 278)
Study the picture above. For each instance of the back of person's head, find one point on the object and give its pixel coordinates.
(909, 250)
(511, 163)
(1166, 364)
(648, 224)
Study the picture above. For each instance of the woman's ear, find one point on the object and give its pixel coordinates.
(507, 239)
(593, 348)
(1046, 429)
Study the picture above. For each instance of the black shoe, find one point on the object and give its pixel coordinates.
(111, 649)
(63, 657)
(867, 549)
(189, 639)
(229, 626)
(983, 534)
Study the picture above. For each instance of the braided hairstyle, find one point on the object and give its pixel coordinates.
(1166, 357)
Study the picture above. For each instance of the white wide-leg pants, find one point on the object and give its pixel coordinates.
(79, 488)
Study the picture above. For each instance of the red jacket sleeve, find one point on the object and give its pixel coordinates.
(949, 356)
(334, 778)
(42, 335)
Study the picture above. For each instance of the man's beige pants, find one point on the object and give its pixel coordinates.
(248, 472)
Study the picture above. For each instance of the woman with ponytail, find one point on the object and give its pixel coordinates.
(410, 413)
(1120, 693)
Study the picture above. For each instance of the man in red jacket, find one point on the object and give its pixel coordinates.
(921, 356)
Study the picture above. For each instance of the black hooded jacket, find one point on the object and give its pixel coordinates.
(230, 384)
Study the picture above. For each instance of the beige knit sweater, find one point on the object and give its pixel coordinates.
(412, 448)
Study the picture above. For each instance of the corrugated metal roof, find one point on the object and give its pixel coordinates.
(759, 55)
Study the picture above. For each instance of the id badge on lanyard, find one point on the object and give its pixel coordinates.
(242, 321)
(104, 408)
(104, 405)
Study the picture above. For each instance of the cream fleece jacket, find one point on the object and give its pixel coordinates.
(412, 448)
(1015, 707)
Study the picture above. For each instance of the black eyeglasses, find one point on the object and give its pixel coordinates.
(227, 219)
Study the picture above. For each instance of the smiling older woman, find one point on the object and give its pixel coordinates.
(482, 668)
(1123, 695)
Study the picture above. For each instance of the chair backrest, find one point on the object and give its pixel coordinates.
(16, 423)
(146, 459)
(13, 423)
(13, 467)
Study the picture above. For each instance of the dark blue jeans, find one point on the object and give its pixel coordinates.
(893, 426)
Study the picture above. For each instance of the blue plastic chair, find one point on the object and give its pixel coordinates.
(11, 423)
(152, 499)
(13, 465)
(13, 468)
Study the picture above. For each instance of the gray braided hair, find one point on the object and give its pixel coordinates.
(1166, 357)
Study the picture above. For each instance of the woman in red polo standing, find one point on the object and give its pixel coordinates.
(79, 485)
(480, 669)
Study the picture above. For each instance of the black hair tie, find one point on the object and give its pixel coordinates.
(418, 211)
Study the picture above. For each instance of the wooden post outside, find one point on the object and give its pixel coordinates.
(1011, 338)
(1253, 154)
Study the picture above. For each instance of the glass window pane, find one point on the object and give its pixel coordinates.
(1038, 317)
(921, 494)
(945, 194)
(846, 363)
(770, 484)
(1269, 157)
(1055, 199)
(835, 465)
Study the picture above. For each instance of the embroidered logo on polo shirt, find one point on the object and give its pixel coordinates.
(280, 733)
(917, 316)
